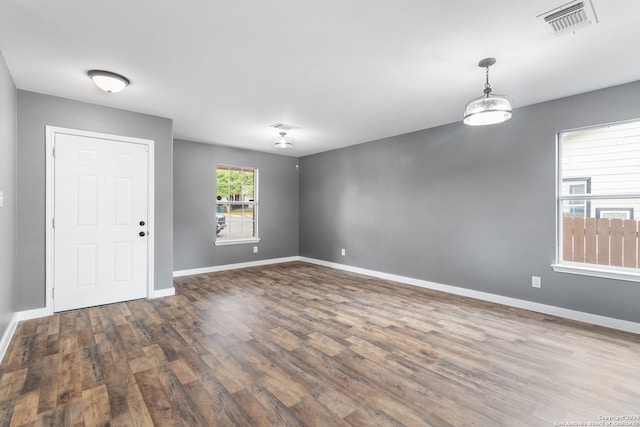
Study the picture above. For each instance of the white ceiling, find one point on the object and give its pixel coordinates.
(345, 72)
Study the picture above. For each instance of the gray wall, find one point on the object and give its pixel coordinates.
(8, 187)
(194, 205)
(35, 111)
(472, 207)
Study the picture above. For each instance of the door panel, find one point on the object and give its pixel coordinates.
(122, 266)
(123, 201)
(85, 265)
(100, 191)
(86, 200)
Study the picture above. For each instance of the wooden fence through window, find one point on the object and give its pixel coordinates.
(601, 241)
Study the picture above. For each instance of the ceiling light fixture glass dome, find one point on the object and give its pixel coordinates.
(108, 81)
(283, 141)
(490, 108)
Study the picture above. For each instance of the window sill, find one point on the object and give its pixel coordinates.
(618, 273)
(236, 241)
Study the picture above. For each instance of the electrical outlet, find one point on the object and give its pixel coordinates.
(536, 282)
(255, 249)
(344, 252)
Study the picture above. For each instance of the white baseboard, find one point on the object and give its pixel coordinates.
(161, 293)
(594, 319)
(213, 269)
(580, 316)
(609, 322)
(35, 313)
(7, 335)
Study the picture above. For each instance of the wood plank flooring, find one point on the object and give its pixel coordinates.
(297, 344)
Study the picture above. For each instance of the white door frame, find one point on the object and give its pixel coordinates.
(51, 132)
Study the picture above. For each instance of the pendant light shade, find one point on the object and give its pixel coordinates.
(283, 141)
(490, 108)
(108, 81)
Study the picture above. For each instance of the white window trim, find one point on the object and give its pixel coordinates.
(596, 270)
(254, 203)
(237, 241)
(585, 269)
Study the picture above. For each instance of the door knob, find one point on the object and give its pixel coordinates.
(142, 234)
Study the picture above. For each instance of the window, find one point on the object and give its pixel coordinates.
(577, 186)
(598, 172)
(236, 216)
(621, 213)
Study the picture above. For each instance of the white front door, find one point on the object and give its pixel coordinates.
(100, 212)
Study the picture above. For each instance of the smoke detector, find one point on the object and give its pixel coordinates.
(569, 17)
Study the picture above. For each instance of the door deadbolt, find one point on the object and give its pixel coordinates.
(142, 223)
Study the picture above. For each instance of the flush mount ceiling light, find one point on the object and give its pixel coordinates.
(490, 108)
(283, 141)
(108, 81)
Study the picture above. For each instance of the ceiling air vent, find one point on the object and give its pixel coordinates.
(569, 17)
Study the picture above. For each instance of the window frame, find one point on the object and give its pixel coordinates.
(586, 269)
(254, 203)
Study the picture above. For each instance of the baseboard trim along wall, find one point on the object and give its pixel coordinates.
(13, 324)
(43, 312)
(36, 313)
(580, 316)
(566, 313)
(8, 334)
(594, 319)
(161, 293)
(216, 268)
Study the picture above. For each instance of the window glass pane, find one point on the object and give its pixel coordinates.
(236, 203)
(247, 177)
(575, 208)
(243, 231)
(609, 155)
(581, 208)
(577, 189)
(221, 221)
(581, 185)
(614, 212)
(241, 222)
(600, 161)
(606, 235)
(222, 184)
(248, 192)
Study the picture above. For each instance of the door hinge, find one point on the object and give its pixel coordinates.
(53, 222)
(54, 151)
(53, 293)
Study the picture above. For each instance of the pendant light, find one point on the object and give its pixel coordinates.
(490, 108)
(283, 141)
(108, 81)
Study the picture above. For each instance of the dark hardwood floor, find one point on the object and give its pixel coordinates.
(298, 344)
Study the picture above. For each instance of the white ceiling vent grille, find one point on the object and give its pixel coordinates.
(569, 17)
